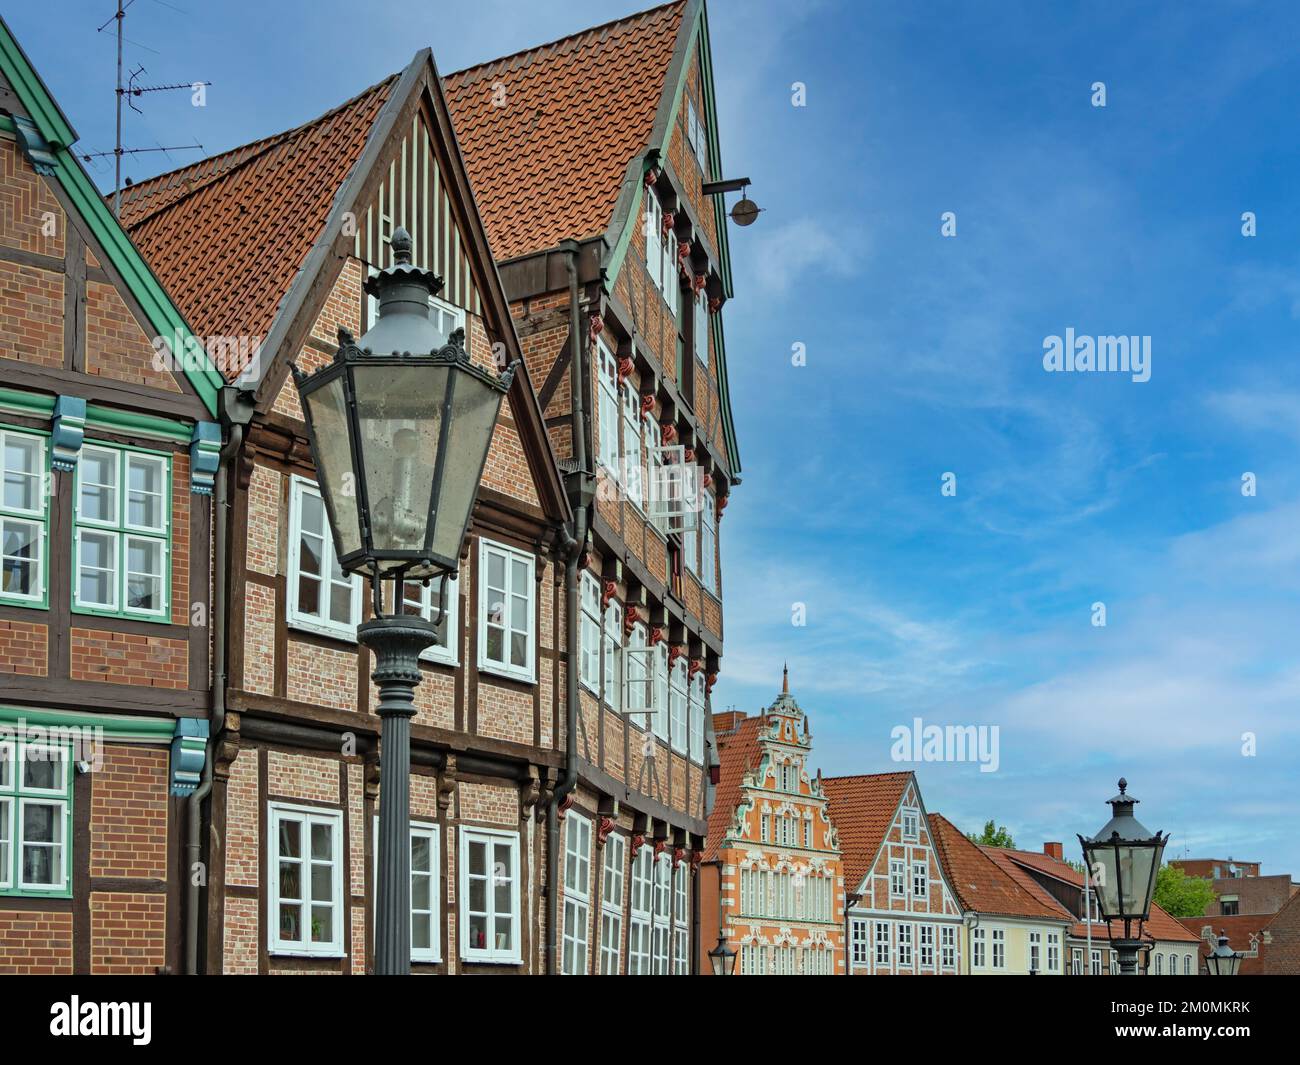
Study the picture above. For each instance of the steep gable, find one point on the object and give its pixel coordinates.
(864, 808)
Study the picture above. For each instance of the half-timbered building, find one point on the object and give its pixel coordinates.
(903, 916)
(109, 444)
(772, 886)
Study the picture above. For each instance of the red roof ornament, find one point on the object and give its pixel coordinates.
(647, 403)
(669, 431)
(625, 368)
(656, 635)
(630, 618)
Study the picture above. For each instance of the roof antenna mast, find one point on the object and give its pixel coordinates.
(124, 93)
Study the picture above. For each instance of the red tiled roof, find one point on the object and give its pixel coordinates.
(862, 809)
(738, 751)
(548, 163)
(227, 235)
(1004, 862)
(981, 884)
(1160, 925)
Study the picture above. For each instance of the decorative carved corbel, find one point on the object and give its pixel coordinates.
(697, 856)
(709, 682)
(647, 403)
(669, 431)
(529, 793)
(630, 618)
(695, 666)
(564, 807)
(678, 854)
(447, 783)
(603, 828)
(715, 304)
(675, 651)
(625, 368)
(608, 590)
(656, 634)
(636, 843)
(670, 220)
(227, 747)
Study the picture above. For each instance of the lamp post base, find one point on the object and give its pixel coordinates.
(1127, 950)
(396, 643)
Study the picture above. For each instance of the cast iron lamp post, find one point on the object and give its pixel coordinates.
(399, 423)
(1223, 960)
(1123, 860)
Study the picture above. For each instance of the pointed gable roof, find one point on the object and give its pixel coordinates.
(548, 132)
(981, 884)
(862, 808)
(738, 751)
(228, 235)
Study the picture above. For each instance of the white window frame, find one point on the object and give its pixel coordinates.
(654, 228)
(654, 435)
(905, 944)
(491, 838)
(631, 469)
(920, 880)
(978, 955)
(419, 830)
(447, 653)
(436, 305)
(613, 874)
(1035, 951)
(589, 632)
(16, 794)
(948, 947)
(999, 939)
(1053, 952)
(681, 919)
(527, 672)
(575, 945)
(925, 946)
(883, 943)
(613, 664)
(897, 878)
(911, 821)
(307, 817)
(661, 925)
(638, 678)
(640, 912)
(295, 617)
(38, 517)
(608, 418)
(678, 694)
(697, 709)
(659, 680)
(701, 328)
(123, 532)
(859, 945)
(709, 544)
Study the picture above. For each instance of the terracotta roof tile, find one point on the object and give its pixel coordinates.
(227, 235)
(738, 751)
(862, 809)
(981, 884)
(547, 133)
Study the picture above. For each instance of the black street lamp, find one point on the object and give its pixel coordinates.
(1223, 960)
(1123, 860)
(400, 424)
(722, 958)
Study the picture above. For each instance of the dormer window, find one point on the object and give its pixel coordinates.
(911, 821)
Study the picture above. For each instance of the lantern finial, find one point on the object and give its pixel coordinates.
(401, 244)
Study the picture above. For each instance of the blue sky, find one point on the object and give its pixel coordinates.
(924, 356)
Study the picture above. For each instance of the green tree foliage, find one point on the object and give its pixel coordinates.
(992, 836)
(1182, 895)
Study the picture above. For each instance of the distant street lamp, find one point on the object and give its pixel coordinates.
(1223, 960)
(400, 424)
(1123, 860)
(722, 958)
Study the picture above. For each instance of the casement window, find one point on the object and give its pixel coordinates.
(305, 855)
(691, 549)
(24, 519)
(1096, 963)
(655, 483)
(489, 895)
(1076, 961)
(577, 894)
(977, 948)
(589, 631)
(762, 828)
(925, 946)
(910, 824)
(698, 709)
(1187, 965)
(882, 943)
(858, 941)
(920, 881)
(423, 602)
(681, 919)
(897, 878)
(661, 251)
(1053, 952)
(1160, 958)
(123, 532)
(677, 687)
(507, 611)
(784, 961)
(660, 719)
(35, 818)
(613, 652)
(999, 948)
(638, 669)
(904, 944)
(948, 947)
(640, 913)
(322, 598)
(709, 544)
(607, 416)
(807, 832)
(749, 964)
(630, 465)
(426, 915)
(697, 137)
(663, 899)
(1035, 950)
(611, 904)
(701, 326)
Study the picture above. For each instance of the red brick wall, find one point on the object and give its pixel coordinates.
(35, 943)
(125, 658)
(128, 813)
(23, 649)
(25, 200)
(31, 315)
(127, 933)
(116, 346)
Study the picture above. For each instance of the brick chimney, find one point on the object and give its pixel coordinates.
(1054, 850)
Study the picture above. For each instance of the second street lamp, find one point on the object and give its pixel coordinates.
(1223, 960)
(1123, 860)
(399, 424)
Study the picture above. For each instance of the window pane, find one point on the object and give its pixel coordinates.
(145, 483)
(291, 839)
(43, 769)
(421, 854)
(98, 485)
(98, 569)
(20, 553)
(322, 924)
(519, 649)
(322, 838)
(40, 822)
(421, 932)
(291, 922)
(341, 603)
(290, 880)
(496, 571)
(322, 882)
(312, 514)
(478, 896)
(477, 858)
(420, 897)
(22, 472)
(144, 574)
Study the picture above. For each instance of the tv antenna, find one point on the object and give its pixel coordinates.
(126, 93)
